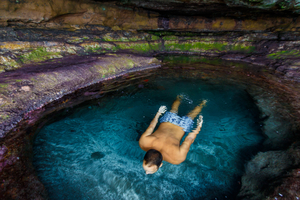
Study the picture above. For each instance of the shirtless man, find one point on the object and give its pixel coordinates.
(164, 143)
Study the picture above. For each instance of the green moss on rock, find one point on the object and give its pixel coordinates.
(284, 54)
(75, 40)
(154, 37)
(2, 68)
(173, 33)
(242, 48)
(171, 37)
(120, 63)
(93, 49)
(201, 46)
(190, 60)
(139, 47)
(129, 63)
(106, 71)
(4, 85)
(38, 55)
(195, 46)
(129, 37)
(11, 65)
(8, 63)
(155, 46)
(4, 117)
(116, 38)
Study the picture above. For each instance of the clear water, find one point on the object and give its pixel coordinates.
(93, 153)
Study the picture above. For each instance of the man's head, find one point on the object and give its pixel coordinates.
(152, 161)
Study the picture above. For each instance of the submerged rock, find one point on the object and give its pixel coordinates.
(97, 155)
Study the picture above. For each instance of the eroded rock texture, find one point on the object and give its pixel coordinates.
(51, 49)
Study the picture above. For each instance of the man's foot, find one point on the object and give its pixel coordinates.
(203, 103)
(179, 97)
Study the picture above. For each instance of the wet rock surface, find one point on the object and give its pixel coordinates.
(28, 97)
(272, 173)
(214, 7)
(26, 89)
(55, 54)
(275, 168)
(279, 104)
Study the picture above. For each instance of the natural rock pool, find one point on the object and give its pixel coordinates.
(57, 55)
(92, 151)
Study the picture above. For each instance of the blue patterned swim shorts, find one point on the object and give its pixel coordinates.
(184, 122)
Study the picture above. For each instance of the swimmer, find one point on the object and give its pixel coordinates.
(164, 143)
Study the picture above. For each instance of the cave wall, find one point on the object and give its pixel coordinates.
(49, 49)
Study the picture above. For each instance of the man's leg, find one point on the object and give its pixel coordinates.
(176, 104)
(196, 110)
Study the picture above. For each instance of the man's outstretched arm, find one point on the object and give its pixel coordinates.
(188, 141)
(153, 123)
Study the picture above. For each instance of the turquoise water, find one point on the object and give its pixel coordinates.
(93, 152)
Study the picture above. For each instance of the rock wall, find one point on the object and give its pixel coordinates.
(49, 49)
(32, 93)
(38, 30)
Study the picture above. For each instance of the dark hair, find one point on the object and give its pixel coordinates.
(153, 157)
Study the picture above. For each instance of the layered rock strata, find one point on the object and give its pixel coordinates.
(51, 49)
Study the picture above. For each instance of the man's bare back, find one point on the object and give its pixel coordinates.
(166, 139)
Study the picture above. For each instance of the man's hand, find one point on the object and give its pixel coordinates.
(200, 121)
(153, 123)
(162, 109)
